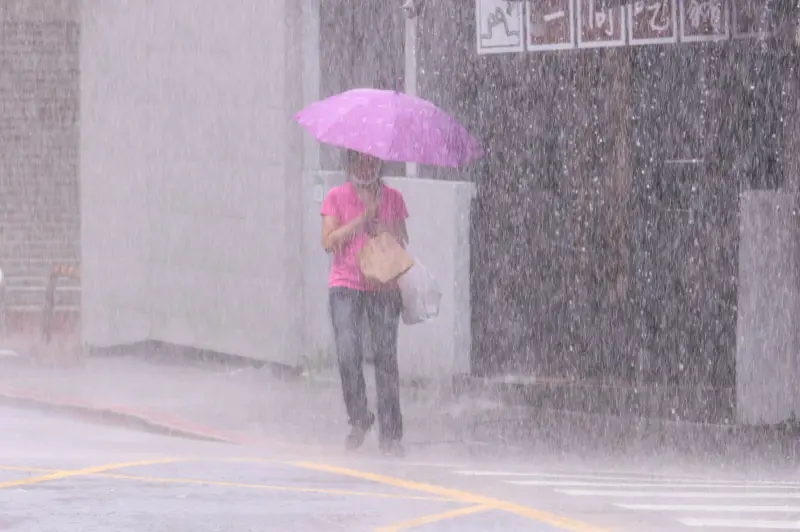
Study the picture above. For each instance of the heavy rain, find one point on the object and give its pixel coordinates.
(399, 264)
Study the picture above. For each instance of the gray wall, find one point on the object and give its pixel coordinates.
(191, 170)
(439, 238)
(439, 231)
(201, 212)
(767, 369)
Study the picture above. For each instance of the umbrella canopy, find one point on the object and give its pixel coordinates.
(392, 126)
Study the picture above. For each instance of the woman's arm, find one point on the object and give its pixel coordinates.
(396, 226)
(335, 236)
(402, 233)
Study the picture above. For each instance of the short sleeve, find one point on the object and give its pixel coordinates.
(330, 205)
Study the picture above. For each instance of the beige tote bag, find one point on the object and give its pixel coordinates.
(383, 259)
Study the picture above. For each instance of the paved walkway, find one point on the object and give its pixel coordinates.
(249, 405)
(243, 404)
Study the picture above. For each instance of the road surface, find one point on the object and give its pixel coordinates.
(67, 475)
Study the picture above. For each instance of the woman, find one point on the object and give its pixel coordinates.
(351, 213)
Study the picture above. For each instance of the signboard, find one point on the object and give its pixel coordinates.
(535, 25)
(653, 21)
(551, 24)
(599, 24)
(499, 26)
(753, 18)
(704, 20)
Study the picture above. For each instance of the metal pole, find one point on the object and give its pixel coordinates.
(411, 72)
(2, 305)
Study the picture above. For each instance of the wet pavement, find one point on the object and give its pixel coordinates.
(68, 475)
(60, 474)
(247, 404)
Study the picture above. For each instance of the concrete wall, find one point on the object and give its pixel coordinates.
(318, 333)
(767, 370)
(191, 167)
(200, 198)
(439, 231)
(439, 228)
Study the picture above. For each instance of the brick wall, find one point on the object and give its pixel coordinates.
(39, 140)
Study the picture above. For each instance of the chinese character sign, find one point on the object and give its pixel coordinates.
(703, 20)
(653, 21)
(499, 24)
(600, 24)
(752, 18)
(551, 24)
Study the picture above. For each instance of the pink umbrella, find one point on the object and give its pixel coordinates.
(390, 125)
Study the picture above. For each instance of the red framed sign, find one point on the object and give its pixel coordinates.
(551, 24)
(599, 24)
(653, 22)
(753, 18)
(704, 20)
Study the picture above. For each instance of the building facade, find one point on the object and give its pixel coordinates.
(39, 147)
(634, 168)
(621, 141)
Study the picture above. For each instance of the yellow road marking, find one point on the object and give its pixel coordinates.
(272, 487)
(251, 460)
(57, 475)
(444, 494)
(30, 469)
(541, 516)
(434, 518)
(238, 485)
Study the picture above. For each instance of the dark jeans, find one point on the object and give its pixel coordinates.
(360, 316)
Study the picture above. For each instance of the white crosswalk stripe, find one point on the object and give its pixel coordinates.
(635, 484)
(690, 500)
(704, 508)
(668, 494)
(746, 524)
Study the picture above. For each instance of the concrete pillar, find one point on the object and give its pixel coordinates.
(317, 342)
(766, 351)
(767, 358)
(296, 47)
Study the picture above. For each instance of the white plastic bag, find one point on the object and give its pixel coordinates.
(420, 293)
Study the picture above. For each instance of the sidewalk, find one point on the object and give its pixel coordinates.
(247, 405)
(240, 405)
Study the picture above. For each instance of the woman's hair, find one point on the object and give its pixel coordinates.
(350, 159)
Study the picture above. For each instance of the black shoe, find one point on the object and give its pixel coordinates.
(358, 434)
(392, 448)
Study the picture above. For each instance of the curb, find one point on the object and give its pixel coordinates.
(154, 422)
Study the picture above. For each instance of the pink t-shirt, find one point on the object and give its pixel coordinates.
(343, 203)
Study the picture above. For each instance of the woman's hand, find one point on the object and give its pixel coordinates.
(368, 221)
(371, 211)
